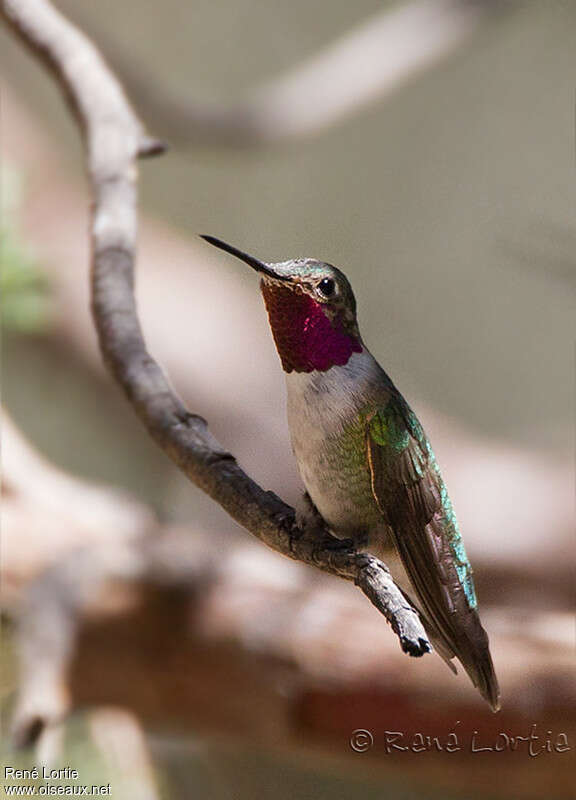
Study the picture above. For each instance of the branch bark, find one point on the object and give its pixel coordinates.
(114, 140)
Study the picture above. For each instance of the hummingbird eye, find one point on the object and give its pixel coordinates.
(327, 287)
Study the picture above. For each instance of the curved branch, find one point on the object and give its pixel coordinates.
(367, 63)
(114, 140)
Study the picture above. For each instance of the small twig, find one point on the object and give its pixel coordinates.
(114, 140)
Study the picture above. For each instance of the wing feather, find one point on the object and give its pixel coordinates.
(412, 498)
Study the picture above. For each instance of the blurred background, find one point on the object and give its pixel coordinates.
(200, 663)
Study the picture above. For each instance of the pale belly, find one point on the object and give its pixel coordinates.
(328, 439)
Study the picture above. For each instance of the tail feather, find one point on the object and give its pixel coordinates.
(472, 649)
(463, 638)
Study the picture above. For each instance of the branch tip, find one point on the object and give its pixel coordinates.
(149, 147)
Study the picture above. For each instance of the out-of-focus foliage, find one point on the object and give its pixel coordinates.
(23, 288)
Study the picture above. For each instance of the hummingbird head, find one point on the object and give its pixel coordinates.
(311, 308)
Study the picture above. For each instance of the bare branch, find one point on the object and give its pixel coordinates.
(363, 66)
(114, 140)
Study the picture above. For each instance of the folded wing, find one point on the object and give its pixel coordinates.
(413, 500)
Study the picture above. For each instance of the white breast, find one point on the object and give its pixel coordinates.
(318, 399)
(320, 404)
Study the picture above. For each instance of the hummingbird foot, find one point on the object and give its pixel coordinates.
(335, 545)
(308, 516)
(310, 523)
(312, 529)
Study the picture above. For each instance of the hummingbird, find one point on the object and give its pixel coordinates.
(366, 463)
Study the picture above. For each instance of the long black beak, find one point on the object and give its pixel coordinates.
(259, 266)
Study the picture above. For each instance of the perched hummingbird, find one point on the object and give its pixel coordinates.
(366, 463)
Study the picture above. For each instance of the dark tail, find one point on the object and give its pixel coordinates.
(471, 647)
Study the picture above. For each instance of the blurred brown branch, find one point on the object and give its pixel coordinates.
(364, 65)
(167, 631)
(46, 513)
(115, 139)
